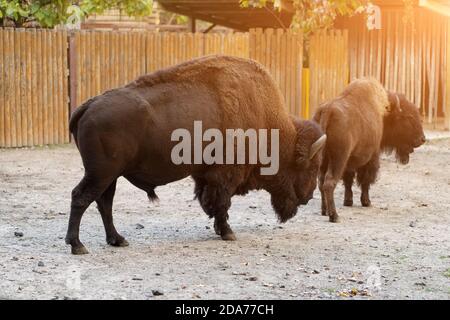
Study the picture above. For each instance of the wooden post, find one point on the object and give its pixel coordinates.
(447, 82)
(192, 24)
(73, 75)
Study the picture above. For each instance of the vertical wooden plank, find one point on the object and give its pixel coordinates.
(17, 139)
(79, 50)
(91, 59)
(276, 55)
(149, 52)
(23, 86)
(389, 36)
(55, 94)
(54, 89)
(312, 74)
(39, 74)
(298, 74)
(2, 91)
(379, 55)
(65, 85)
(98, 63)
(59, 85)
(29, 79)
(431, 74)
(50, 87)
(119, 59)
(447, 79)
(292, 72)
(82, 78)
(283, 62)
(402, 70)
(45, 85)
(287, 96)
(418, 68)
(9, 86)
(105, 59)
(397, 52)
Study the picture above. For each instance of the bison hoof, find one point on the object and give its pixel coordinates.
(366, 203)
(229, 237)
(118, 242)
(334, 218)
(79, 250)
(348, 203)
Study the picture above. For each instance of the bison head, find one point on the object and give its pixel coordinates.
(402, 130)
(298, 180)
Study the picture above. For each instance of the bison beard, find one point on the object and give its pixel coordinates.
(127, 132)
(361, 123)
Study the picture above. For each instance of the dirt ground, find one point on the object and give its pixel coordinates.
(397, 249)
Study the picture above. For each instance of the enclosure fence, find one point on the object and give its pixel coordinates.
(411, 58)
(33, 87)
(104, 60)
(328, 66)
(40, 69)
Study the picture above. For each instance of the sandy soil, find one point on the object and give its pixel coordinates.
(399, 248)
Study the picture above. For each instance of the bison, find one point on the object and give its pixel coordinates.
(363, 121)
(127, 132)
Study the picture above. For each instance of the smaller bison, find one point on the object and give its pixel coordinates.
(362, 122)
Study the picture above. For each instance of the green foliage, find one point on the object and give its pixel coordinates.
(49, 13)
(312, 15)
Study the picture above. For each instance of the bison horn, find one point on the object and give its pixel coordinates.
(397, 103)
(317, 146)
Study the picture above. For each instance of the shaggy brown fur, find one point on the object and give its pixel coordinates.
(127, 132)
(360, 123)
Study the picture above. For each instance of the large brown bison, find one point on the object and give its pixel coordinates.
(361, 122)
(127, 132)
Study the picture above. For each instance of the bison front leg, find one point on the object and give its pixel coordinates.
(336, 167)
(104, 204)
(348, 178)
(222, 227)
(215, 201)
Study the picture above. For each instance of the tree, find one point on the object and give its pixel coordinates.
(310, 15)
(49, 13)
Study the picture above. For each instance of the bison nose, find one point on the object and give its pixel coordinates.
(420, 141)
(424, 139)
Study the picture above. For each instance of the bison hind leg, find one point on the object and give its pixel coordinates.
(348, 178)
(367, 175)
(104, 205)
(88, 190)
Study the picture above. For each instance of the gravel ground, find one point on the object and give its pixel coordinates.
(397, 249)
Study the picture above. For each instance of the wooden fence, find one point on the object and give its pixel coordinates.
(407, 57)
(33, 87)
(105, 60)
(282, 54)
(328, 66)
(38, 69)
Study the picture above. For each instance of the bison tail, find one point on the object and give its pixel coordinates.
(75, 117)
(152, 196)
